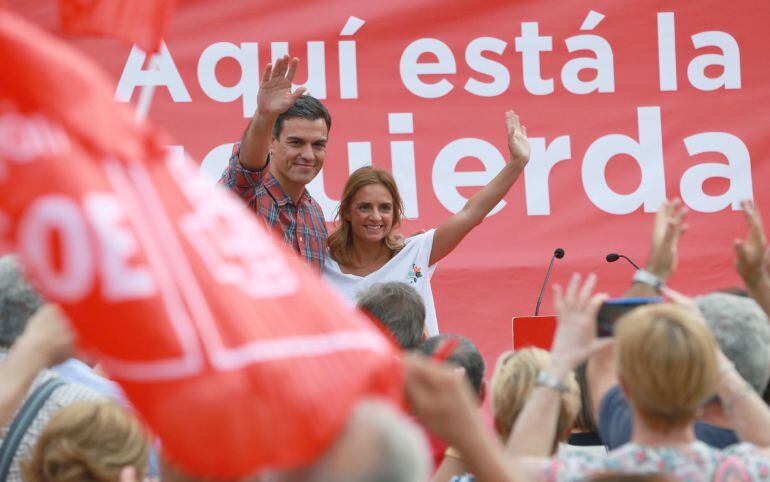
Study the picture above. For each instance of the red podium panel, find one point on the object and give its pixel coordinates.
(533, 331)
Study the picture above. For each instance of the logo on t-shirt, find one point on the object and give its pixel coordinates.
(414, 274)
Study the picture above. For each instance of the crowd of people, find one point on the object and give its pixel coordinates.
(676, 393)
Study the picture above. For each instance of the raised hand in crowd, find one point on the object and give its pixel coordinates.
(752, 257)
(48, 334)
(46, 341)
(576, 337)
(274, 98)
(441, 399)
(668, 227)
(574, 341)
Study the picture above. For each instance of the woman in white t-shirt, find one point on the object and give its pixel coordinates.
(364, 249)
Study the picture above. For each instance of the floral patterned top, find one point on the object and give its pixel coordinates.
(696, 462)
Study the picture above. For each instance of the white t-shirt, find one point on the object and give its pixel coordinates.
(410, 266)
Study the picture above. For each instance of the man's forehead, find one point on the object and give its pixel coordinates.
(301, 128)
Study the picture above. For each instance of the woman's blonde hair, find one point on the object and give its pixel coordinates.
(88, 441)
(666, 358)
(512, 382)
(341, 240)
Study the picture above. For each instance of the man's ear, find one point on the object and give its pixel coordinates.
(425, 334)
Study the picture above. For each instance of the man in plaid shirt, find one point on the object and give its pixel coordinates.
(282, 150)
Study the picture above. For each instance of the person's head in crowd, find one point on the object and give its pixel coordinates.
(666, 362)
(584, 422)
(18, 300)
(465, 355)
(171, 473)
(88, 441)
(399, 308)
(742, 331)
(513, 381)
(370, 194)
(378, 444)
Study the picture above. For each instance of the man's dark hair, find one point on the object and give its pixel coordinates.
(307, 107)
(399, 307)
(465, 355)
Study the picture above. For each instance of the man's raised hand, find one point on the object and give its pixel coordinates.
(518, 144)
(275, 95)
(274, 98)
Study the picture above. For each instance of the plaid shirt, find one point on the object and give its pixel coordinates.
(301, 225)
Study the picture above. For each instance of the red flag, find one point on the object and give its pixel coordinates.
(235, 353)
(142, 22)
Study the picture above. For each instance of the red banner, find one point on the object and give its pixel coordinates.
(216, 333)
(626, 103)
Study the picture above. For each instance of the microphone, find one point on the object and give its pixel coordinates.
(612, 257)
(558, 253)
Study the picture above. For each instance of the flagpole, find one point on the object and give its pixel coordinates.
(145, 96)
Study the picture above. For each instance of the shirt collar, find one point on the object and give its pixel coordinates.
(273, 187)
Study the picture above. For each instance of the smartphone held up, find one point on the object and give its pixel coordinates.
(612, 310)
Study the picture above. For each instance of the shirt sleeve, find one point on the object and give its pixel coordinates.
(237, 178)
(615, 421)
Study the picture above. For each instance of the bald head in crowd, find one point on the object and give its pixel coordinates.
(378, 444)
(399, 308)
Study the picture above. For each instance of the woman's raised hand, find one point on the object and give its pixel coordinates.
(518, 144)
